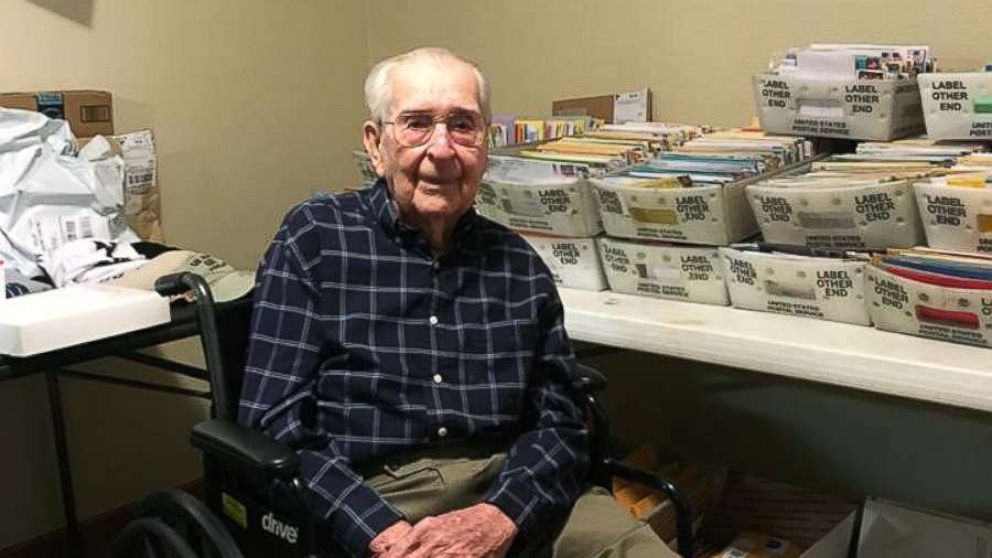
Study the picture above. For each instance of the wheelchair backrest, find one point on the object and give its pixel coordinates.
(233, 326)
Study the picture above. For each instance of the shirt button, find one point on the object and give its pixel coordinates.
(433, 320)
(442, 432)
(438, 379)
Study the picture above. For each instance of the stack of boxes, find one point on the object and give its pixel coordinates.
(544, 192)
(665, 218)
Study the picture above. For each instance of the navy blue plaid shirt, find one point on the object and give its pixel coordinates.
(364, 346)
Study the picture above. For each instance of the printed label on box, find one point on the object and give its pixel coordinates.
(876, 216)
(824, 288)
(574, 262)
(956, 218)
(680, 273)
(957, 106)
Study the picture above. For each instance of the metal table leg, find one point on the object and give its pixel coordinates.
(65, 472)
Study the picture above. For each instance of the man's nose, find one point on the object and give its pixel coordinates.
(439, 144)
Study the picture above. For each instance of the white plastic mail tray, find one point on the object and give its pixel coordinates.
(956, 218)
(711, 215)
(811, 287)
(957, 106)
(574, 262)
(946, 313)
(858, 110)
(875, 216)
(41, 322)
(689, 273)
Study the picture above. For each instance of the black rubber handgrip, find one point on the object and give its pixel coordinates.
(172, 284)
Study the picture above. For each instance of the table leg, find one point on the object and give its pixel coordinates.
(65, 471)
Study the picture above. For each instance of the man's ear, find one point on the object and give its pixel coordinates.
(371, 137)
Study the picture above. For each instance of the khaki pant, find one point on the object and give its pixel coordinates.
(444, 479)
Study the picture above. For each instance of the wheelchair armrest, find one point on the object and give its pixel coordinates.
(589, 380)
(230, 441)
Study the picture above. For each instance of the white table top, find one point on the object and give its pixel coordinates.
(821, 351)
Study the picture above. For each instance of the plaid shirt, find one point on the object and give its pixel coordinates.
(364, 346)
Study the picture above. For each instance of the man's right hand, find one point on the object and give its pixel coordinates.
(380, 545)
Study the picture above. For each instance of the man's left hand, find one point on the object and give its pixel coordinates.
(481, 531)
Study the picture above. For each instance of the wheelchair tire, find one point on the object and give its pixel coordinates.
(150, 537)
(192, 521)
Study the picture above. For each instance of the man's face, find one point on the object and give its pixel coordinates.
(437, 180)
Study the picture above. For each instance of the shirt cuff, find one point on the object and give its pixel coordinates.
(353, 512)
(518, 502)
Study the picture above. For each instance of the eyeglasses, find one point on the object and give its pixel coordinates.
(464, 128)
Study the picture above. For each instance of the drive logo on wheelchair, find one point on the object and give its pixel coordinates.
(282, 530)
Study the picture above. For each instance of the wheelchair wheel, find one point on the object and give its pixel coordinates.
(148, 537)
(193, 525)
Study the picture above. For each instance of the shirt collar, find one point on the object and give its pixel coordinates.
(388, 218)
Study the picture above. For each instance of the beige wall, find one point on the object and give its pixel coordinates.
(253, 103)
(695, 55)
(256, 102)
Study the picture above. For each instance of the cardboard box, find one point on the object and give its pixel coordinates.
(957, 106)
(892, 530)
(824, 288)
(574, 262)
(88, 112)
(955, 218)
(710, 215)
(821, 523)
(539, 196)
(857, 110)
(875, 216)
(687, 273)
(948, 314)
(617, 108)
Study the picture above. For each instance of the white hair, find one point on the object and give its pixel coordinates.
(378, 89)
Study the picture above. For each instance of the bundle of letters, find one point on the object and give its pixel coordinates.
(909, 158)
(855, 62)
(723, 157)
(510, 130)
(973, 162)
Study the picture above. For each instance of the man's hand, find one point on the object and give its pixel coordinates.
(481, 531)
(389, 537)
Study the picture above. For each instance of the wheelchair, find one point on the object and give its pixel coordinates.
(255, 501)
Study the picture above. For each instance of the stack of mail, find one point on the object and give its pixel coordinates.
(855, 62)
(933, 293)
(661, 135)
(509, 130)
(725, 156)
(973, 162)
(693, 195)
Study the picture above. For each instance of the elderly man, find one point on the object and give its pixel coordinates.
(414, 353)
